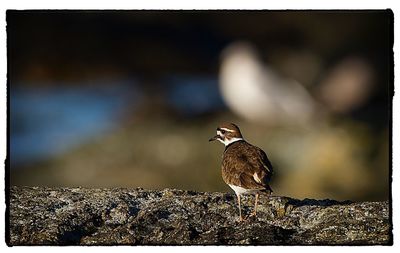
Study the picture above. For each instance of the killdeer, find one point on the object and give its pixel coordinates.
(245, 168)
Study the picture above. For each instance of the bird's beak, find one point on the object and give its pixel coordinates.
(214, 138)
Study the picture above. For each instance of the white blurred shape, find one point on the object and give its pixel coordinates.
(348, 85)
(255, 92)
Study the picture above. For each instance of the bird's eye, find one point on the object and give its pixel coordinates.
(223, 131)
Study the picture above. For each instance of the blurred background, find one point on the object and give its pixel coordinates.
(130, 98)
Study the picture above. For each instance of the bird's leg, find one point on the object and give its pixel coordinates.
(240, 210)
(255, 206)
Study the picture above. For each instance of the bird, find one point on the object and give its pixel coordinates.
(245, 167)
(254, 91)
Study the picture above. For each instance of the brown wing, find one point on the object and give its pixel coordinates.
(247, 166)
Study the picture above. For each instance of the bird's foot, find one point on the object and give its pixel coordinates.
(253, 214)
(247, 218)
(243, 219)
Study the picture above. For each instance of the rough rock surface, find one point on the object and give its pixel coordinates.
(69, 216)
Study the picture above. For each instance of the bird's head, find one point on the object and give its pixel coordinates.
(227, 133)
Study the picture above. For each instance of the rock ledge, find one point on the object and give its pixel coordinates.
(117, 216)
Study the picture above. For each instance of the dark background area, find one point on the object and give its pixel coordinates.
(130, 98)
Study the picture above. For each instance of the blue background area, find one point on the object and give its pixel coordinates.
(48, 121)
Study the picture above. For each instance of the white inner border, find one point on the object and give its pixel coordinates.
(207, 4)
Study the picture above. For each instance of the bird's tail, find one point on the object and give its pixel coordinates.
(267, 190)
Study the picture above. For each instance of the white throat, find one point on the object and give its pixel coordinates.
(227, 142)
